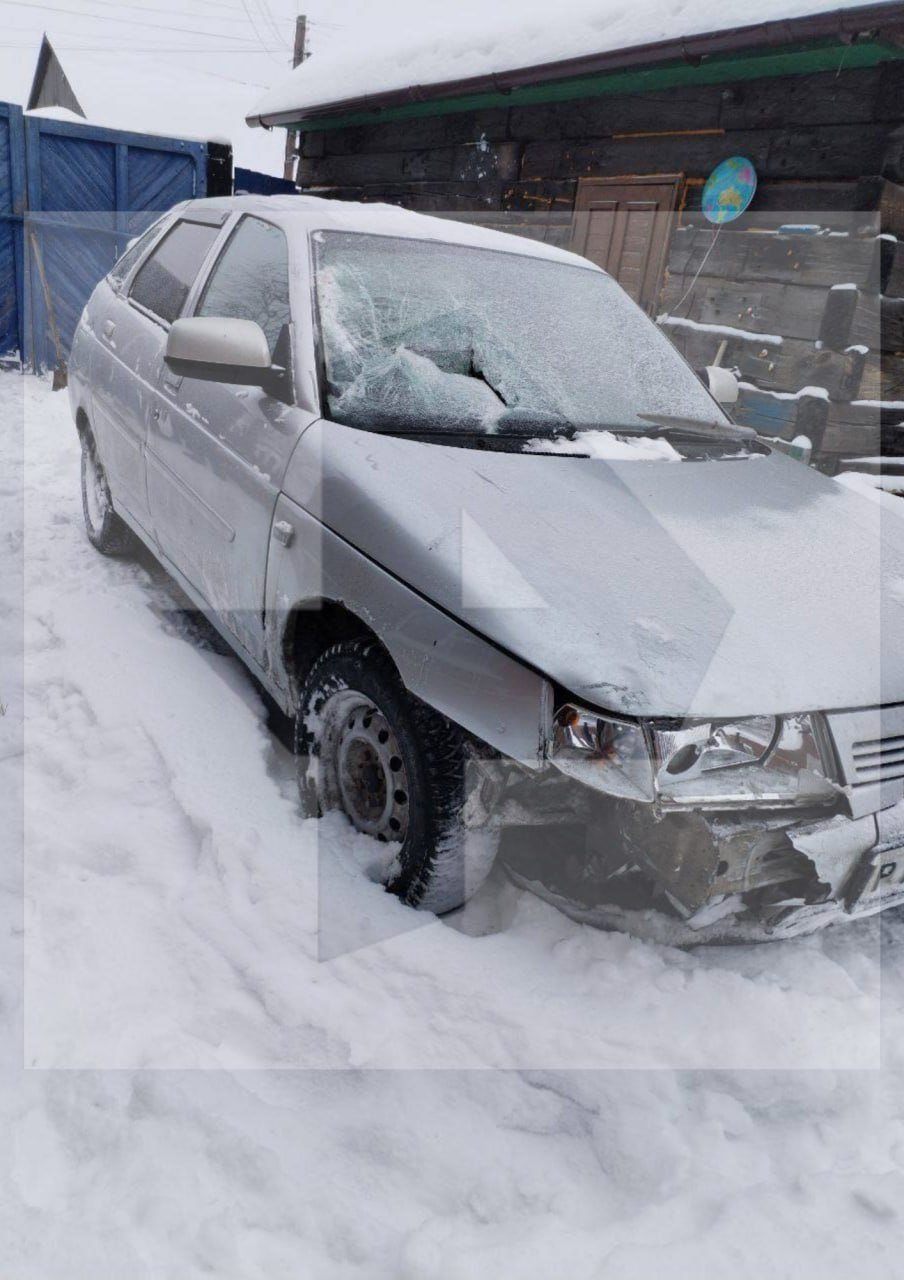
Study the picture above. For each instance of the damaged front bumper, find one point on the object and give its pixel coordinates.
(766, 870)
(788, 875)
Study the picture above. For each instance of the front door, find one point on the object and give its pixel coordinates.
(218, 452)
(624, 226)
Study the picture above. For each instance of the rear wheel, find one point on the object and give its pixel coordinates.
(397, 769)
(106, 531)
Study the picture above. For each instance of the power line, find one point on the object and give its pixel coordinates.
(147, 8)
(131, 48)
(129, 22)
(260, 38)
(268, 17)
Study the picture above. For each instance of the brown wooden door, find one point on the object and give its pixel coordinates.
(624, 226)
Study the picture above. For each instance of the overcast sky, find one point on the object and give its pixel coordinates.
(248, 40)
(236, 48)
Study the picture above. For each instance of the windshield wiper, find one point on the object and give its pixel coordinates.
(697, 428)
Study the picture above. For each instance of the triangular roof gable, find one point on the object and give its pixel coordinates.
(50, 86)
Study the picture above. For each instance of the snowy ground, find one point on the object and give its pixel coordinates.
(280, 1071)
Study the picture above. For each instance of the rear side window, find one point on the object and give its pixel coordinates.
(163, 282)
(250, 280)
(137, 247)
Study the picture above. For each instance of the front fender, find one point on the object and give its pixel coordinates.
(460, 674)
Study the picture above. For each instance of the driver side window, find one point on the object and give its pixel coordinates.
(250, 280)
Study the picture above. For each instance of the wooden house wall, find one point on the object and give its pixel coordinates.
(828, 148)
(821, 132)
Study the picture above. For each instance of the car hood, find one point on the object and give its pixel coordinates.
(738, 586)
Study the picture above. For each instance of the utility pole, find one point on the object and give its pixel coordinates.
(298, 56)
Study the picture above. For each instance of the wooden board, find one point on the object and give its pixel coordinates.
(542, 194)
(767, 414)
(422, 133)
(893, 274)
(790, 367)
(820, 152)
(836, 430)
(820, 260)
(465, 163)
(831, 204)
(806, 100)
(693, 108)
(890, 203)
(760, 306)
(882, 379)
(428, 197)
(877, 322)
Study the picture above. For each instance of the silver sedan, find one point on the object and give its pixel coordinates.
(467, 516)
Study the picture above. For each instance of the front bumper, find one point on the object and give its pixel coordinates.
(742, 875)
(772, 864)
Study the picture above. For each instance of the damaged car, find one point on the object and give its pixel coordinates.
(527, 592)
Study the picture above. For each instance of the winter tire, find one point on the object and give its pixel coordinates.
(106, 531)
(397, 769)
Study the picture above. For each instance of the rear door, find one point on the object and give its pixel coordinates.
(624, 226)
(124, 361)
(134, 337)
(218, 452)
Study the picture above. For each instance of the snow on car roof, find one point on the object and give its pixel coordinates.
(446, 46)
(385, 220)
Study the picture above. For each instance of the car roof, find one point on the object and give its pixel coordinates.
(309, 213)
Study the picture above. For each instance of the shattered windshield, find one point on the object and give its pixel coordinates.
(425, 336)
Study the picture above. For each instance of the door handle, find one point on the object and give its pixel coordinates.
(171, 382)
(109, 328)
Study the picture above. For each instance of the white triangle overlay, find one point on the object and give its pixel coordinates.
(489, 580)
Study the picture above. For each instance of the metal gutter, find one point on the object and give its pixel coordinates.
(843, 25)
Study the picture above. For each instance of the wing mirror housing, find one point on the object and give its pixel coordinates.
(723, 385)
(221, 349)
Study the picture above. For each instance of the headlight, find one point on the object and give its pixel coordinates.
(768, 760)
(763, 760)
(603, 752)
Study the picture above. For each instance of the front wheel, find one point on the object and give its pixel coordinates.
(397, 769)
(106, 531)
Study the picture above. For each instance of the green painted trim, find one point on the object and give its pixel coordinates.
(807, 59)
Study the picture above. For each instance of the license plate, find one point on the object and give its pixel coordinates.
(888, 873)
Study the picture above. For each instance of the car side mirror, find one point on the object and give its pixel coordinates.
(219, 349)
(723, 385)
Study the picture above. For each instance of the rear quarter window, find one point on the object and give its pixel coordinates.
(162, 283)
(135, 250)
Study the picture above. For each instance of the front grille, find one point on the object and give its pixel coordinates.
(869, 743)
(876, 759)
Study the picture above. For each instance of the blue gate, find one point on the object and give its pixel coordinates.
(85, 192)
(12, 205)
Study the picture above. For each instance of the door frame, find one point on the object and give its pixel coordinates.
(580, 227)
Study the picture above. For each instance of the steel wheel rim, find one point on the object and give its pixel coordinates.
(362, 771)
(97, 501)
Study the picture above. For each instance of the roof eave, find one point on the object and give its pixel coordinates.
(841, 23)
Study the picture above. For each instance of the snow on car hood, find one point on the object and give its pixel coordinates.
(729, 587)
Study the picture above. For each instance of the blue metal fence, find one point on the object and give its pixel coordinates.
(71, 197)
(250, 182)
(12, 205)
